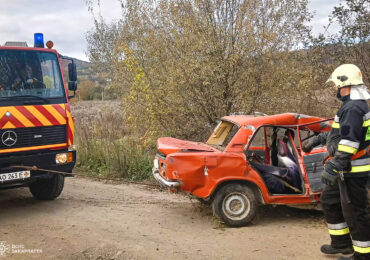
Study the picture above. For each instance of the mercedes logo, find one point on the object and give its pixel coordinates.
(9, 138)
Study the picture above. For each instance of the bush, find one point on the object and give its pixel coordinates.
(104, 147)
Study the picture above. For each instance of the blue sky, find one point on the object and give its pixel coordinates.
(66, 22)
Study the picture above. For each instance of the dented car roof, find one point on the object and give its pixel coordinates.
(286, 119)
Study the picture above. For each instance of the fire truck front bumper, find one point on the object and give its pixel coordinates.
(12, 173)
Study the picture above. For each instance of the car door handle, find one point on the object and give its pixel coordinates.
(314, 167)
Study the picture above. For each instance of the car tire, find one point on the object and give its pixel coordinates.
(235, 204)
(47, 189)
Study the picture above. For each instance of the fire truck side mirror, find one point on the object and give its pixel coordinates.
(72, 72)
(72, 85)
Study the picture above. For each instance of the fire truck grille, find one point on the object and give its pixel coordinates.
(32, 136)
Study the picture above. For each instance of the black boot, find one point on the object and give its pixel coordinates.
(329, 250)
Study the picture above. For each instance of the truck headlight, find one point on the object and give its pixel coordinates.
(62, 158)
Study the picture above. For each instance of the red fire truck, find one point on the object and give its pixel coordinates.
(36, 126)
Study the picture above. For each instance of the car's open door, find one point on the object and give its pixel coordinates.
(313, 161)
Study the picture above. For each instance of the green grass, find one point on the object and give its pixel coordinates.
(104, 147)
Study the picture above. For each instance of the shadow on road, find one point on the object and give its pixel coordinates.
(20, 203)
(268, 214)
(280, 213)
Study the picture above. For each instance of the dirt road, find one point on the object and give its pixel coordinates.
(96, 220)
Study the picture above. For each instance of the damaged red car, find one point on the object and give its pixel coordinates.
(247, 161)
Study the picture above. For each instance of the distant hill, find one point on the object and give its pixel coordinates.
(81, 65)
(84, 70)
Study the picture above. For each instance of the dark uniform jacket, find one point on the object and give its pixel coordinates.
(349, 137)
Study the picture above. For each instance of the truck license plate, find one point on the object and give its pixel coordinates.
(15, 176)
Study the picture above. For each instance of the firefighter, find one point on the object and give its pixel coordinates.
(344, 198)
(25, 79)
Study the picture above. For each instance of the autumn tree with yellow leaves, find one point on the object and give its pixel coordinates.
(180, 65)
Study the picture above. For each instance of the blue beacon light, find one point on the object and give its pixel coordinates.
(38, 40)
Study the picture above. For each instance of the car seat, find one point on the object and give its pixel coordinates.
(287, 160)
(285, 148)
(285, 157)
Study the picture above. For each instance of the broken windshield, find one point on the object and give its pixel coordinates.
(33, 75)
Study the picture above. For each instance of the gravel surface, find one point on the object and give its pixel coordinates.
(105, 220)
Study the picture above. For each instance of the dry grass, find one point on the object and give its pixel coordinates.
(104, 147)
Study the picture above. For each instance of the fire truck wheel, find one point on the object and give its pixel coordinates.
(47, 189)
(235, 204)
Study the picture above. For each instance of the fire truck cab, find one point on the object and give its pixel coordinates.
(36, 126)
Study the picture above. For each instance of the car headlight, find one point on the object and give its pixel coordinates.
(156, 163)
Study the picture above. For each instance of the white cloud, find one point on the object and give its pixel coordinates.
(66, 22)
(322, 9)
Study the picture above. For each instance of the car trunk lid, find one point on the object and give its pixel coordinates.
(167, 145)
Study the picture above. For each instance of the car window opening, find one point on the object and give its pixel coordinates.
(222, 135)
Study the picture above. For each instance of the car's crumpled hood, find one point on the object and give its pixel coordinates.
(167, 145)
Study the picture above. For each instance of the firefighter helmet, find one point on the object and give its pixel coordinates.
(346, 75)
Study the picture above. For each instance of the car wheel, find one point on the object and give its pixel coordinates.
(235, 204)
(47, 189)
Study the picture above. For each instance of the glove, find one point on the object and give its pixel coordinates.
(310, 144)
(330, 175)
(307, 147)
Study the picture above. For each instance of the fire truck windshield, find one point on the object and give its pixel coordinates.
(28, 77)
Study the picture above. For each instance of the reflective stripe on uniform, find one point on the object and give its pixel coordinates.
(366, 123)
(366, 119)
(360, 165)
(362, 250)
(338, 229)
(362, 247)
(360, 162)
(349, 143)
(364, 168)
(335, 125)
(339, 232)
(337, 226)
(347, 149)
